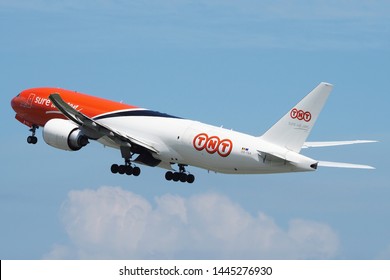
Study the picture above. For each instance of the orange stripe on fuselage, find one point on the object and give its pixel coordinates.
(34, 106)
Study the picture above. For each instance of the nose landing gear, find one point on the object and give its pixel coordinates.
(33, 139)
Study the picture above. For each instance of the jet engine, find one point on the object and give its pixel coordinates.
(64, 135)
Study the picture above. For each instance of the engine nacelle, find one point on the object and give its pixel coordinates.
(64, 135)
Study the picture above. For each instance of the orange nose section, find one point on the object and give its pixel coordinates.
(15, 103)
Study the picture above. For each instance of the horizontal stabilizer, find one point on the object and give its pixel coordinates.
(343, 165)
(335, 143)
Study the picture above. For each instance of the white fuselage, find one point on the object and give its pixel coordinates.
(188, 142)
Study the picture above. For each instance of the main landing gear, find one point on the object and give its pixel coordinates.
(127, 168)
(33, 139)
(181, 176)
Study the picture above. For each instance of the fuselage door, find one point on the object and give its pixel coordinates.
(30, 100)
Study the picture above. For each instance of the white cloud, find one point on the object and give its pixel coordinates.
(112, 223)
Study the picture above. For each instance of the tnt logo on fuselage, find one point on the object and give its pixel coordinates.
(212, 144)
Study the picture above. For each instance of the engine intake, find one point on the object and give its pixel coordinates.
(64, 135)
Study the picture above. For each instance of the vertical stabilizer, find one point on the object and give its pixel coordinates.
(292, 130)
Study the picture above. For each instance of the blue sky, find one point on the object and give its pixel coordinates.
(241, 64)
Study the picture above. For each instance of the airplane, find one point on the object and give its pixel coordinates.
(70, 120)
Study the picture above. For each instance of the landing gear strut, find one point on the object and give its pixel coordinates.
(181, 176)
(33, 139)
(127, 168)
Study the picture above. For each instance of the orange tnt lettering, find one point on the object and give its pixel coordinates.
(200, 141)
(225, 147)
(213, 144)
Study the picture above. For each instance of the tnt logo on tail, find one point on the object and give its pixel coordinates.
(300, 115)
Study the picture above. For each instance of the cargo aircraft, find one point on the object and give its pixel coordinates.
(70, 120)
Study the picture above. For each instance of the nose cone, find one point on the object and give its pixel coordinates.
(15, 103)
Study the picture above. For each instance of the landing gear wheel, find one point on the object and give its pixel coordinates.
(115, 168)
(176, 176)
(122, 169)
(136, 171)
(169, 175)
(183, 177)
(190, 178)
(32, 140)
(129, 170)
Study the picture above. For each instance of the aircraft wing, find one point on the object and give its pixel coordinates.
(96, 130)
(334, 143)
